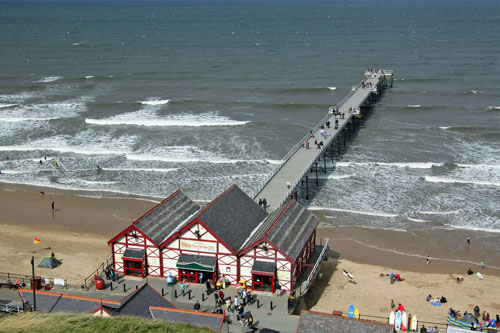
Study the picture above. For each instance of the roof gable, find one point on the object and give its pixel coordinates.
(138, 302)
(232, 216)
(165, 217)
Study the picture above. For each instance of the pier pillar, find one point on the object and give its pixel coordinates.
(307, 187)
(324, 159)
(343, 134)
(317, 181)
(338, 143)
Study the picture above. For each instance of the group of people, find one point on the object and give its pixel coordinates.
(430, 299)
(233, 305)
(263, 203)
(110, 274)
(424, 329)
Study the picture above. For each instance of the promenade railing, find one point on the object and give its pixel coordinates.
(89, 280)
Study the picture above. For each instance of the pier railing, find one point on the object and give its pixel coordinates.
(89, 280)
(297, 146)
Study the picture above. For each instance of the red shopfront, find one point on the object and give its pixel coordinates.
(263, 276)
(134, 263)
(197, 269)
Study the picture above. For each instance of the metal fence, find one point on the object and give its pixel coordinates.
(11, 279)
(89, 280)
(11, 308)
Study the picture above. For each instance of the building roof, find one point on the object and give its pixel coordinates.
(199, 263)
(133, 254)
(211, 320)
(232, 216)
(263, 267)
(138, 302)
(165, 217)
(49, 302)
(292, 228)
(315, 322)
(288, 227)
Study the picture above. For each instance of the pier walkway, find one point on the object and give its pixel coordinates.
(282, 183)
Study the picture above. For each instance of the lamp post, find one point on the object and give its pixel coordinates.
(33, 284)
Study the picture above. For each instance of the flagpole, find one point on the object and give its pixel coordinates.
(33, 284)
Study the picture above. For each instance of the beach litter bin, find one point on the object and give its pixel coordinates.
(99, 284)
(37, 284)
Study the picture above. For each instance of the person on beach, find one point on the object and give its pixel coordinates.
(482, 264)
(423, 329)
(428, 260)
(53, 206)
(467, 241)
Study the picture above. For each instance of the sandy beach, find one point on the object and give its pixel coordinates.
(78, 231)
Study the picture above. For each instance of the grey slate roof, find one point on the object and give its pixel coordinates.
(314, 322)
(293, 228)
(233, 216)
(263, 266)
(199, 319)
(133, 253)
(50, 303)
(138, 302)
(160, 221)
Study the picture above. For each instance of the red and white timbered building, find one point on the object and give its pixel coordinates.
(232, 237)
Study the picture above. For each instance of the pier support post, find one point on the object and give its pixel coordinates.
(307, 187)
(317, 182)
(324, 159)
(338, 144)
(343, 134)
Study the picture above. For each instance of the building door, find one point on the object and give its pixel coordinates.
(133, 268)
(263, 282)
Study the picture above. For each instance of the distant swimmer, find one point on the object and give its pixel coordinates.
(41, 162)
(98, 167)
(57, 164)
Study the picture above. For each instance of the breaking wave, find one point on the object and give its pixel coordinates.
(380, 214)
(434, 179)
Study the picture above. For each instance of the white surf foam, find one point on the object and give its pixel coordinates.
(380, 214)
(62, 149)
(438, 212)
(182, 157)
(3, 105)
(471, 228)
(444, 127)
(339, 176)
(416, 220)
(494, 107)
(142, 169)
(20, 119)
(434, 179)
(48, 79)
(89, 76)
(146, 118)
(411, 165)
(479, 166)
(414, 105)
(332, 88)
(155, 101)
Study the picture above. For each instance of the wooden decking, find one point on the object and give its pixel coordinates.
(299, 160)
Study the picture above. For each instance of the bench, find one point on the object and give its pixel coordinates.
(337, 313)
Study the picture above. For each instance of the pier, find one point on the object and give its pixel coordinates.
(302, 162)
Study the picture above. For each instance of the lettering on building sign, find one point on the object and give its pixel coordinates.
(192, 245)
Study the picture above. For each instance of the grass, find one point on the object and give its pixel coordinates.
(54, 323)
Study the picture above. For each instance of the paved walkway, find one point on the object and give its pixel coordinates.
(274, 320)
(294, 169)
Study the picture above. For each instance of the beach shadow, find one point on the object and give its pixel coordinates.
(321, 282)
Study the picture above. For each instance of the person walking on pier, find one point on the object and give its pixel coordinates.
(260, 202)
(264, 204)
(288, 184)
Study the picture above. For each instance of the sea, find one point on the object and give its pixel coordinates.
(140, 98)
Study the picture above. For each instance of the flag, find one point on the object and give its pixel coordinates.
(36, 240)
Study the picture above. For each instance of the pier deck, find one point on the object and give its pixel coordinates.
(299, 160)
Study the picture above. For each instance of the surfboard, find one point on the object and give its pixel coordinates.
(413, 322)
(392, 318)
(356, 313)
(479, 275)
(397, 324)
(404, 321)
(349, 275)
(350, 313)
